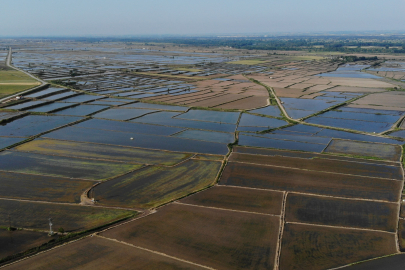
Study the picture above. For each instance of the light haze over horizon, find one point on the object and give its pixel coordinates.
(187, 17)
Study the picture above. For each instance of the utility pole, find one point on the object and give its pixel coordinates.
(50, 226)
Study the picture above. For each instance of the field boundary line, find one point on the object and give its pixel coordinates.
(338, 227)
(143, 214)
(155, 252)
(124, 146)
(400, 200)
(46, 175)
(47, 250)
(312, 194)
(281, 232)
(363, 261)
(329, 157)
(224, 209)
(277, 166)
(73, 204)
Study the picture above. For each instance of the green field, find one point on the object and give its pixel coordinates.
(13, 81)
(153, 186)
(35, 215)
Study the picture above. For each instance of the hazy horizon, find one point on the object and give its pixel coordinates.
(180, 17)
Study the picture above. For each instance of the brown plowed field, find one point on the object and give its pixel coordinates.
(318, 248)
(258, 201)
(217, 238)
(325, 165)
(218, 100)
(13, 242)
(341, 212)
(101, 254)
(246, 103)
(266, 177)
(401, 234)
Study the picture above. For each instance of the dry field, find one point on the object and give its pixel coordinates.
(220, 239)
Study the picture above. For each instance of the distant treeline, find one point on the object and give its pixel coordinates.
(350, 44)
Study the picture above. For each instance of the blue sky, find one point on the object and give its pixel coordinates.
(150, 17)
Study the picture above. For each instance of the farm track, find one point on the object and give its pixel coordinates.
(8, 64)
(155, 252)
(224, 209)
(281, 231)
(285, 167)
(73, 204)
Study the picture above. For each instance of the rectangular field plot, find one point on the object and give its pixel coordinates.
(341, 212)
(209, 136)
(399, 134)
(210, 116)
(401, 234)
(50, 107)
(142, 105)
(293, 136)
(103, 152)
(365, 126)
(377, 117)
(382, 151)
(27, 105)
(8, 141)
(19, 241)
(242, 199)
(139, 140)
(269, 110)
(69, 217)
(41, 188)
(128, 127)
(249, 120)
(165, 119)
(272, 152)
(337, 134)
(82, 110)
(62, 166)
(267, 177)
(99, 253)
(122, 114)
(10, 115)
(395, 262)
(82, 98)
(279, 144)
(43, 93)
(219, 239)
(153, 186)
(318, 248)
(325, 165)
(34, 124)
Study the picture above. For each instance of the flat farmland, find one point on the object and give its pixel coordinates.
(250, 200)
(98, 253)
(13, 242)
(395, 262)
(216, 238)
(325, 165)
(267, 177)
(41, 188)
(152, 186)
(401, 234)
(103, 152)
(341, 212)
(35, 215)
(317, 248)
(382, 151)
(62, 166)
